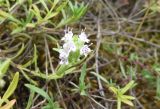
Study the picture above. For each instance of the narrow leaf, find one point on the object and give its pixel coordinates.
(113, 89)
(11, 87)
(44, 4)
(83, 74)
(126, 101)
(127, 87)
(36, 12)
(102, 78)
(40, 92)
(4, 67)
(128, 97)
(9, 16)
(19, 52)
(30, 100)
(17, 30)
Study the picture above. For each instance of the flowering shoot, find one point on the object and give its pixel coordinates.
(74, 47)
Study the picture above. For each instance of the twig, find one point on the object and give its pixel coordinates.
(110, 100)
(52, 69)
(96, 57)
(140, 26)
(97, 103)
(138, 39)
(40, 103)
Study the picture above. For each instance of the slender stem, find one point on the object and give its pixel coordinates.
(118, 103)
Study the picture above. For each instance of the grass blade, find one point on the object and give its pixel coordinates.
(9, 16)
(45, 5)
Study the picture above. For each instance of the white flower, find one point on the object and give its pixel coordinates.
(83, 37)
(63, 56)
(68, 36)
(69, 46)
(85, 50)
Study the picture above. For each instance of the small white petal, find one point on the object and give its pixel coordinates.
(83, 37)
(69, 46)
(85, 50)
(68, 36)
(63, 54)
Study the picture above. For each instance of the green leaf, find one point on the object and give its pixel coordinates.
(28, 78)
(44, 4)
(11, 87)
(113, 89)
(56, 49)
(71, 6)
(34, 60)
(49, 106)
(83, 74)
(30, 100)
(9, 16)
(63, 4)
(19, 52)
(50, 15)
(40, 92)
(122, 68)
(53, 4)
(70, 70)
(126, 101)
(133, 57)
(30, 25)
(158, 88)
(77, 13)
(128, 97)
(107, 47)
(127, 87)
(53, 40)
(153, 6)
(123, 98)
(29, 16)
(1, 19)
(102, 78)
(156, 67)
(4, 67)
(17, 30)
(36, 12)
(62, 69)
(147, 75)
(2, 83)
(82, 85)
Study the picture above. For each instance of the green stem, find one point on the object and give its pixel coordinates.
(119, 104)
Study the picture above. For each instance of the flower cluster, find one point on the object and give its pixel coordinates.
(74, 46)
